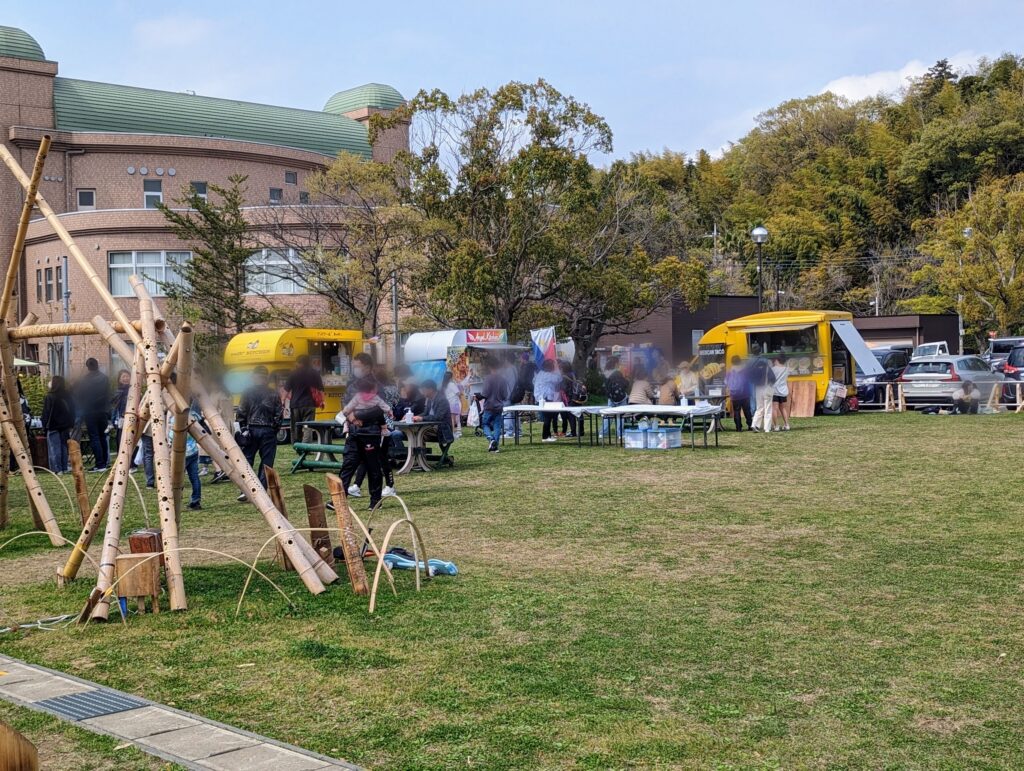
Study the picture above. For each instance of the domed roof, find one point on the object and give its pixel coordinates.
(375, 95)
(18, 44)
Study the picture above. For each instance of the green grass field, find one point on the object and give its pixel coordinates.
(845, 595)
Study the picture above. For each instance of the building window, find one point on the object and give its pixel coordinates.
(156, 269)
(152, 192)
(58, 293)
(276, 194)
(86, 200)
(303, 196)
(270, 272)
(39, 285)
(291, 177)
(200, 188)
(48, 294)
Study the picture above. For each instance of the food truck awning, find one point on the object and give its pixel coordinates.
(778, 328)
(855, 345)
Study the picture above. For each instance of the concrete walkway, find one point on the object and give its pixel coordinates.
(180, 737)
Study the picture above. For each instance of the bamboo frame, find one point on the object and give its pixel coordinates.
(19, 236)
(72, 328)
(182, 417)
(10, 389)
(119, 487)
(78, 474)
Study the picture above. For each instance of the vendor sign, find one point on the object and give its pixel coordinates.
(486, 336)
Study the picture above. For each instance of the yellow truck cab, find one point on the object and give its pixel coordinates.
(820, 346)
(330, 351)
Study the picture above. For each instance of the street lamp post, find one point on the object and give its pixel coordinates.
(759, 236)
(967, 232)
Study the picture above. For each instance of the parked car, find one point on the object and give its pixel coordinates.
(934, 379)
(931, 349)
(1014, 366)
(871, 388)
(999, 348)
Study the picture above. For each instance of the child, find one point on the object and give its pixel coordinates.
(366, 414)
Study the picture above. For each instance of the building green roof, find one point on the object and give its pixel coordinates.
(82, 105)
(371, 95)
(18, 44)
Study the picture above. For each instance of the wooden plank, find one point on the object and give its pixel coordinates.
(349, 543)
(274, 490)
(317, 513)
(16, 752)
(803, 398)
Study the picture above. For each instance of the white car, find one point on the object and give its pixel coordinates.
(933, 380)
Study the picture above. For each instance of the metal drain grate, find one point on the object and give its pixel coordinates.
(81, 706)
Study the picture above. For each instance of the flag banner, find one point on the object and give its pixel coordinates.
(543, 344)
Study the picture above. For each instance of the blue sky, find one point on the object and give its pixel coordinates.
(682, 75)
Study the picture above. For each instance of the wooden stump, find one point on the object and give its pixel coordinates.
(319, 536)
(138, 576)
(78, 474)
(349, 542)
(274, 489)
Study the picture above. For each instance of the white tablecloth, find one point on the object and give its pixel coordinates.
(671, 410)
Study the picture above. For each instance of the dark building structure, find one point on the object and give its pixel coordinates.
(910, 329)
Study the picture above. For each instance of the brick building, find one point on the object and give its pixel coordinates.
(116, 150)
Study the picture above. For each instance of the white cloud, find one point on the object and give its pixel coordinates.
(172, 31)
(890, 81)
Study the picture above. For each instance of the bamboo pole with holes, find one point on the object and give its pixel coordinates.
(349, 544)
(78, 474)
(31, 189)
(71, 328)
(181, 417)
(161, 453)
(119, 486)
(80, 259)
(5, 478)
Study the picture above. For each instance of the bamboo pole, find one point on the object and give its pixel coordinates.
(274, 490)
(161, 454)
(29, 320)
(72, 328)
(28, 474)
(303, 556)
(5, 467)
(349, 544)
(10, 388)
(83, 262)
(119, 487)
(19, 235)
(78, 473)
(181, 417)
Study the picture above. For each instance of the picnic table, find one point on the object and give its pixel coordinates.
(707, 413)
(323, 431)
(417, 457)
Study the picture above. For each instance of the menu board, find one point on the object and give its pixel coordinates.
(711, 364)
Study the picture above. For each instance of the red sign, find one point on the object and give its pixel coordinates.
(485, 336)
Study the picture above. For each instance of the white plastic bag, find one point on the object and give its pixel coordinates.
(473, 418)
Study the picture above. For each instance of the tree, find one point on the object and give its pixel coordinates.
(352, 241)
(491, 174)
(213, 287)
(985, 265)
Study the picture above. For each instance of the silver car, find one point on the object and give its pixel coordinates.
(934, 379)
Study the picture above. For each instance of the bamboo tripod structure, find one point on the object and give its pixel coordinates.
(152, 397)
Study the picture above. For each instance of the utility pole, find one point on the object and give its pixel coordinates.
(67, 319)
(394, 313)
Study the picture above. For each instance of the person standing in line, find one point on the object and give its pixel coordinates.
(494, 396)
(780, 393)
(738, 388)
(58, 420)
(453, 394)
(93, 396)
(762, 379)
(643, 391)
(259, 419)
(616, 388)
(547, 387)
(305, 392)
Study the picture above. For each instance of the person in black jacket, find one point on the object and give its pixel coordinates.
(259, 418)
(58, 420)
(93, 395)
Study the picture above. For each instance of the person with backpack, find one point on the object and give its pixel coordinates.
(58, 420)
(616, 388)
(494, 397)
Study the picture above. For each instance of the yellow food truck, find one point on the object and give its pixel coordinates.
(330, 351)
(820, 346)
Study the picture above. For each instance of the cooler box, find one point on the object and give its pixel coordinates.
(634, 439)
(667, 438)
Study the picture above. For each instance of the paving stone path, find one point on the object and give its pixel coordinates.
(180, 737)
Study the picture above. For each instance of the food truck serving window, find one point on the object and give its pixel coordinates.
(331, 357)
(787, 340)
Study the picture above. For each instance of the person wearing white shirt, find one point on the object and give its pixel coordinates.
(966, 399)
(780, 397)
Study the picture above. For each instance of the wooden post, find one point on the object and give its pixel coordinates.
(182, 417)
(78, 473)
(994, 397)
(1020, 402)
(62, 233)
(119, 487)
(19, 235)
(901, 405)
(5, 467)
(138, 576)
(319, 536)
(349, 543)
(17, 752)
(274, 490)
(161, 452)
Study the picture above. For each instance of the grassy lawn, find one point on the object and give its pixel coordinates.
(848, 594)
